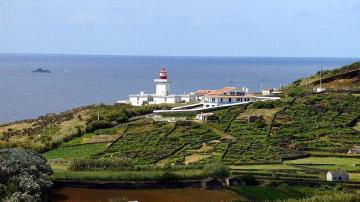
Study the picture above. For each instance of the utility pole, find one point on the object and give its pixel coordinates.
(321, 79)
(98, 115)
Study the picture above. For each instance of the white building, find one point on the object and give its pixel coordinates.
(271, 91)
(224, 96)
(162, 93)
(334, 176)
(319, 89)
(203, 116)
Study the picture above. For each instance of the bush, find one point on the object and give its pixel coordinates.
(260, 123)
(249, 179)
(24, 176)
(216, 170)
(169, 176)
(297, 82)
(92, 126)
(101, 164)
(312, 99)
(296, 92)
(264, 105)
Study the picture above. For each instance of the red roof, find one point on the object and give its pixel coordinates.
(221, 91)
(203, 92)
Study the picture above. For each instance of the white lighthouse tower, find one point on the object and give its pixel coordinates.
(162, 84)
(162, 94)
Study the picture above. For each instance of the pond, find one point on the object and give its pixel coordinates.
(68, 194)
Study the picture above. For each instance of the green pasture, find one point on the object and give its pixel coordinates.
(73, 152)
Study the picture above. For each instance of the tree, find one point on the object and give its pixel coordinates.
(216, 170)
(24, 176)
(296, 92)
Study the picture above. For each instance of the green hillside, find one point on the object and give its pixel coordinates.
(285, 139)
(346, 77)
(297, 138)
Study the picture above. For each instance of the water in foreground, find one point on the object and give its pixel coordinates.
(160, 195)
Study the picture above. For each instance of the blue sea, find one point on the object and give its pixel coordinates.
(77, 80)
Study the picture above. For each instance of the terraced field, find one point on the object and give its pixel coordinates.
(256, 138)
(291, 128)
(149, 142)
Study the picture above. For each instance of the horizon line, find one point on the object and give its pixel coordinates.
(199, 56)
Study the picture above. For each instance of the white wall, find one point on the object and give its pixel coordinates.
(162, 88)
(138, 100)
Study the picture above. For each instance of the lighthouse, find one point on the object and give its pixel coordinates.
(162, 83)
(161, 95)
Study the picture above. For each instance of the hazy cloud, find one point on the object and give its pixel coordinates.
(84, 19)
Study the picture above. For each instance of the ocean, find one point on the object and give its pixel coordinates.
(77, 80)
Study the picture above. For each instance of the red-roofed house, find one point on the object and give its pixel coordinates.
(224, 96)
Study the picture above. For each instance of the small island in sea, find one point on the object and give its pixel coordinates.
(40, 70)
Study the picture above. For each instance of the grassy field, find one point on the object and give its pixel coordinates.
(283, 192)
(230, 138)
(72, 152)
(263, 167)
(328, 163)
(123, 175)
(326, 160)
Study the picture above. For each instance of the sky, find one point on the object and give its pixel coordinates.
(274, 28)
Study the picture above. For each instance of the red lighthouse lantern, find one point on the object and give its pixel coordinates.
(163, 73)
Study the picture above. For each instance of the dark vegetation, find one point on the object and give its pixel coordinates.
(216, 170)
(285, 193)
(24, 176)
(320, 123)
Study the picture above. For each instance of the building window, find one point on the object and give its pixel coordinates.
(137, 98)
(232, 93)
(229, 99)
(213, 99)
(238, 93)
(221, 99)
(237, 99)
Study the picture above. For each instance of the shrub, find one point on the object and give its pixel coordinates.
(119, 116)
(264, 105)
(24, 176)
(296, 92)
(169, 176)
(260, 123)
(312, 99)
(249, 179)
(92, 126)
(216, 170)
(101, 164)
(297, 82)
